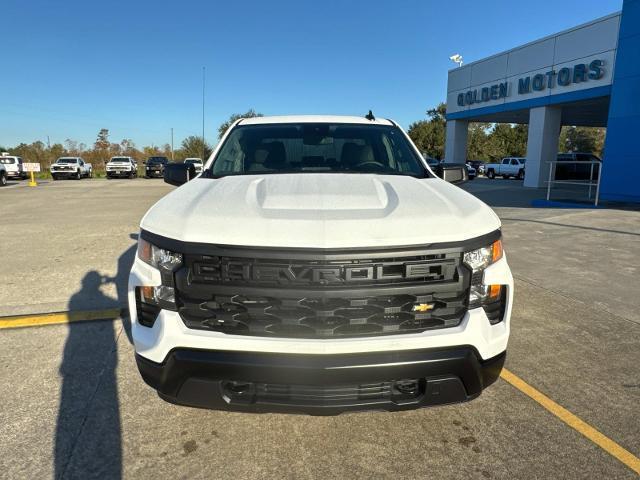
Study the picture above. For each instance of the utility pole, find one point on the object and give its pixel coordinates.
(48, 142)
(203, 143)
(172, 144)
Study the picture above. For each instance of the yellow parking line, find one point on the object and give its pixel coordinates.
(18, 321)
(604, 442)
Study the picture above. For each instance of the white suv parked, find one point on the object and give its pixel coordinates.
(318, 265)
(13, 166)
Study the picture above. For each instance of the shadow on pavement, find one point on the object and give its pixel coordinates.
(88, 439)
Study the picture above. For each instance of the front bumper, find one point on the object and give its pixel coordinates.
(320, 384)
(64, 173)
(154, 173)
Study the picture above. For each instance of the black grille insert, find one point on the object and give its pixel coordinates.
(323, 296)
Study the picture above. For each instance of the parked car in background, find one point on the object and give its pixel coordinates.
(122, 167)
(197, 163)
(3, 175)
(471, 171)
(476, 164)
(13, 166)
(508, 167)
(154, 167)
(567, 170)
(71, 167)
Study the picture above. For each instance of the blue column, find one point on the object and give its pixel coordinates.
(621, 167)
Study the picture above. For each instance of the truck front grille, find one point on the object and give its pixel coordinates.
(325, 297)
(305, 317)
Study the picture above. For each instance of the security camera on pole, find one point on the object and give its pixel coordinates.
(456, 58)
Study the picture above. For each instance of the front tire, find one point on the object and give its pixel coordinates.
(491, 175)
(521, 175)
(78, 175)
(3, 179)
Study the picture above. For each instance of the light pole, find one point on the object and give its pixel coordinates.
(203, 144)
(172, 144)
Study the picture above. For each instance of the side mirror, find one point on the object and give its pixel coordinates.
(453, 172)
(178, 173)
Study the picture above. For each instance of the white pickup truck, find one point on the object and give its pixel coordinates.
(197, 163)
(508, 167)
(317, 264)
(122, 167)
(71, 167)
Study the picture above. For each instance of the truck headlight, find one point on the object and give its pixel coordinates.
(157, 257)
(167, 262)
(478, 260)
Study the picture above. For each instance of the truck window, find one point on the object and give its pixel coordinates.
(505, 161)
(514, 161)
(317, 148)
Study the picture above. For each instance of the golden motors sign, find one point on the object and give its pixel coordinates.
(580, 72)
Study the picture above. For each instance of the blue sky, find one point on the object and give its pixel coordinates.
(70, 68)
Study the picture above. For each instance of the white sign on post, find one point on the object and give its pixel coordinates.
(31, 167)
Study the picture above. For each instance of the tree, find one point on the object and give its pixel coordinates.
(428, 135)
(582, 139)
(225, 126)
(506, 140)
(192, 148)
(102, 141)
(478, 140)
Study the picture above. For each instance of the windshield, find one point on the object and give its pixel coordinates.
(67, 160)
(7, 161)
(120, 160)
(316, 148)
(193, 160)
(157, 160)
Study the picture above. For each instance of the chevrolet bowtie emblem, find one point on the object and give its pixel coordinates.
(422, 307)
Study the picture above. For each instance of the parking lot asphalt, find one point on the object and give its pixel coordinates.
(74, 406)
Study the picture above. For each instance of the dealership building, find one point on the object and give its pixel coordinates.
(585, 76)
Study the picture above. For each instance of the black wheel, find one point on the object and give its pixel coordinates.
(3, 179)
(521, 175)
(491, 175)
(78, 175)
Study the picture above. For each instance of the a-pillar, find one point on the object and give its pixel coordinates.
(455, 150)
(542, 144)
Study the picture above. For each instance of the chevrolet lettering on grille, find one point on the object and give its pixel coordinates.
(233, 270)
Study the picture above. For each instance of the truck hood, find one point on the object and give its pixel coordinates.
(320, 211)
